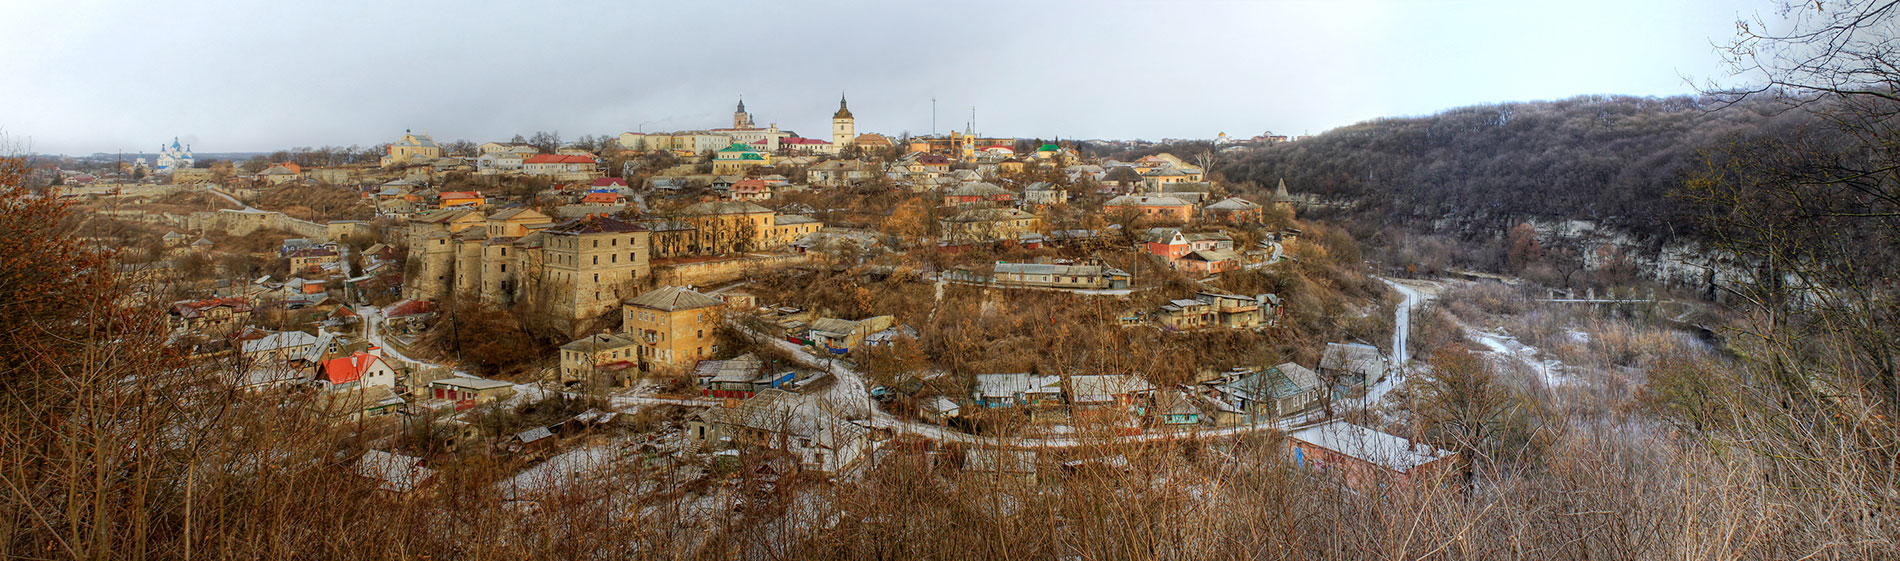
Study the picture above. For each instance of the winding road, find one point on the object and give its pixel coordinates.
(851, 384)
(228, 197)
(851, 395)
(1401, 339)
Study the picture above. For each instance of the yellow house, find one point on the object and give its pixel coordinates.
(313, 258)
(278, 175)
(515, 222)
(672, 328)
(726, 227)
(988, 224)
(600, 358)
(413, 148)
(737, 158)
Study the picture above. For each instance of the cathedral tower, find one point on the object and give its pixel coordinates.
(843, 127)
(740, 120)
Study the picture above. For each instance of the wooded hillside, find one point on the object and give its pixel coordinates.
(1610, 159)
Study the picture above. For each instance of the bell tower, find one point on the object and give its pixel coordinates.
(843, 126)
(740, 120)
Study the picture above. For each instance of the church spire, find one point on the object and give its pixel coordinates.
(741, 120)
(842, 113)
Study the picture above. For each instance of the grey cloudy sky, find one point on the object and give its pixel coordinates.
(85, 76)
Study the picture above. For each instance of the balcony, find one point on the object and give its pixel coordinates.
(1237, 307)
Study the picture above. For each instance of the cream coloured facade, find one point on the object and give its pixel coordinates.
(601, 358)
(844, 128)
(577, 270)
(673, 327)
(988, 224)
(738, 226)
(412, 149)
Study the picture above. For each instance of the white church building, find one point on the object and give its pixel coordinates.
(173, 157)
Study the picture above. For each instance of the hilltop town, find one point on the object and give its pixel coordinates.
(865, 288)
(370, 302)
(739, 327)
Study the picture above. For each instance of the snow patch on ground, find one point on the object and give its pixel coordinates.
(560, 472)
(1506, 347)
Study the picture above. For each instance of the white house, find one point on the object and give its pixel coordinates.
(358, 369)
(495, 163)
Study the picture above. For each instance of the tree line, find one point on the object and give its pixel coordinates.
(1610, 159)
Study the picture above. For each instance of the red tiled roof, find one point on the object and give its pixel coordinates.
(802, 140)
(558, 159)
(346, 369)
(461, 195)
(610, 182)
(601, 198)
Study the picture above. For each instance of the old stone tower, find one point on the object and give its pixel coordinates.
(741, 120)
(843, 127)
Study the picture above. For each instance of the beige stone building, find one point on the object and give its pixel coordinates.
(578, 270)
(672, 327)
(601, 358)
(433, 251)
(412, 149)
(737, 226)
(590, 265)
(988, 224)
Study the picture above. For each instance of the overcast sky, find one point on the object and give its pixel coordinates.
(99, 76)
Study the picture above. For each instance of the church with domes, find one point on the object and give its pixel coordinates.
(173, 157)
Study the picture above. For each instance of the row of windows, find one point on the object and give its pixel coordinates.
(614, 242)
